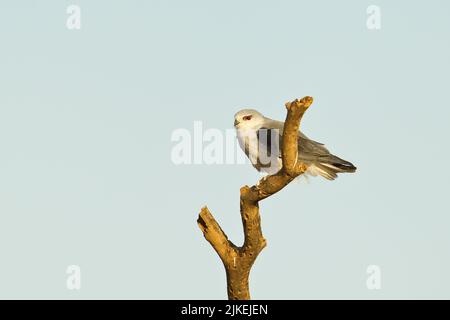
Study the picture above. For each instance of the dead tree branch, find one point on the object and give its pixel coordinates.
(239, 260)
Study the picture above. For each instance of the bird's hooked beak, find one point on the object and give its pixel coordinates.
(236, 122)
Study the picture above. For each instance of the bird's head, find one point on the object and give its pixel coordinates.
(248, 119)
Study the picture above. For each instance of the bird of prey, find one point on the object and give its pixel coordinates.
(260, 138)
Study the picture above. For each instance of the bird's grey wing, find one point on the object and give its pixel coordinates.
(314, 153)
(279, 125)
(310, 150)
(320, 160)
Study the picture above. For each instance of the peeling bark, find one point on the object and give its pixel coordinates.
(238, 261)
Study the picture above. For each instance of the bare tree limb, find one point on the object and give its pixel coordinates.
(239, 260)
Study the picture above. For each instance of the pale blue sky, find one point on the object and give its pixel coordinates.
(86, 119)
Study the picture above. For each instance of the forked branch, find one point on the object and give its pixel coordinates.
(239, 260)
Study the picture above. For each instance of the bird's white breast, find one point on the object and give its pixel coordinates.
(251, 145)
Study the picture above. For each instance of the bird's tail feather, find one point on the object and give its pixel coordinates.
(330, 167)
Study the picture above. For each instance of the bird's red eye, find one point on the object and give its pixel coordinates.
(247, 118)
